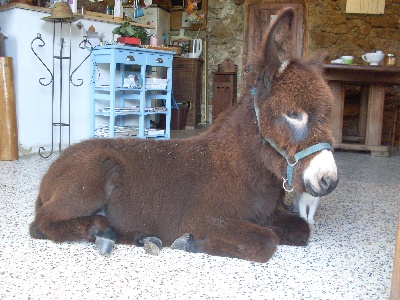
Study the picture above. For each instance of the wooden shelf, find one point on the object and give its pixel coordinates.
(93, 16)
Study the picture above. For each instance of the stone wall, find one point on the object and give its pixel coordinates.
(331, 29)
(328, 28)
(224, 37)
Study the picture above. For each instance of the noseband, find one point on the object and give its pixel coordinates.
(287, 182)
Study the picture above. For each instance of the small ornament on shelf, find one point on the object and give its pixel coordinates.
(195, 15)
(118, 10)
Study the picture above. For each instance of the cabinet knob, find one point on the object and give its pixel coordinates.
(130, 57)
(159, 60)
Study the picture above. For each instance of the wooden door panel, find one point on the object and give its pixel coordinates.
(258, 16)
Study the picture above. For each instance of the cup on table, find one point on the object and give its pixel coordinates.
(337, 61)
(347, 59)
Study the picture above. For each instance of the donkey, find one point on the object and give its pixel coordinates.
(218, 193)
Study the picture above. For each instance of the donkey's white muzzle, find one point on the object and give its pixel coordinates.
(320, 177)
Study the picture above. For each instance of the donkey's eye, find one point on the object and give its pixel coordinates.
(294, 115)
(298, 123)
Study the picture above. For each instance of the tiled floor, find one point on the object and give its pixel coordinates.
(350, 254)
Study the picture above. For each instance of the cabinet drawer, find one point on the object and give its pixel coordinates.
(159, 60)
(101, 58)
(130, 57)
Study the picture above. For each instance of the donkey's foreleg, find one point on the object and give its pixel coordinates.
(95, 228)
(290, 228)
(232, 238)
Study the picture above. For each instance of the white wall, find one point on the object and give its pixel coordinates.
(34, 100)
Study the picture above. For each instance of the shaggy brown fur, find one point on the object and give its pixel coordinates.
(224, 186)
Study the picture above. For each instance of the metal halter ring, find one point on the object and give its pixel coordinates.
(289, 190)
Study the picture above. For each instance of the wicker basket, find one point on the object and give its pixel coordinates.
(176, 48)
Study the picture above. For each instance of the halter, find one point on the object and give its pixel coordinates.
(287, 182)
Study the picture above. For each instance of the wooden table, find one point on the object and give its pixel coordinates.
(373, 80)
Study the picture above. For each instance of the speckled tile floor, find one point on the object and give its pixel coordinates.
(350, 254)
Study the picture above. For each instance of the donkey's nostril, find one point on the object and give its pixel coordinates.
(325, 182)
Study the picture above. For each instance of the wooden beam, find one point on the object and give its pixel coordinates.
(375, 150)
(8, 115)
(395, 289)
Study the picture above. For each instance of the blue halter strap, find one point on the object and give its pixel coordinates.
(287, 182)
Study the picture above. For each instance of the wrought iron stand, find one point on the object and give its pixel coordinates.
(84, 44)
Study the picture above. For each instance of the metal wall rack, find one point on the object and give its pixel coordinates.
(60, 56)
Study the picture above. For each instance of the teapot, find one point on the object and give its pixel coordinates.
(195, 48)
(373, 58)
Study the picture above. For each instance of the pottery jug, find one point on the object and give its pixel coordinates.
(373, 58)
(195, 48)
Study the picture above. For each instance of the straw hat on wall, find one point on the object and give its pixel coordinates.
(62, 12)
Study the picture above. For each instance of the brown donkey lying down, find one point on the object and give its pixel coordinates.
(218, 193)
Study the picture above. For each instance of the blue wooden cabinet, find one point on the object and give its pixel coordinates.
(130, 92)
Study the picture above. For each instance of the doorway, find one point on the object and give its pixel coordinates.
(258, 16)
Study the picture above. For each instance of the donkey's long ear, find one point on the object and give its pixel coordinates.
(277, 47)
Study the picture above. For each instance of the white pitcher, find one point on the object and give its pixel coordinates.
(195, 48)
(373, 58)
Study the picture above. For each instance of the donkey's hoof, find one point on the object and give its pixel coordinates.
(35, 232)
(104, 245)
(105, 241)
(152, 245)
(185, 242)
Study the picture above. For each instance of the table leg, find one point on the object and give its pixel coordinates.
(375, 120)
(375, 115)
(372, 113)
(337, 111)
(362, 123)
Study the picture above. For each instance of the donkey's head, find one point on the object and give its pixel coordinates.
(293, 104)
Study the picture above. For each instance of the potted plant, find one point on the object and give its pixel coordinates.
(131, 34)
